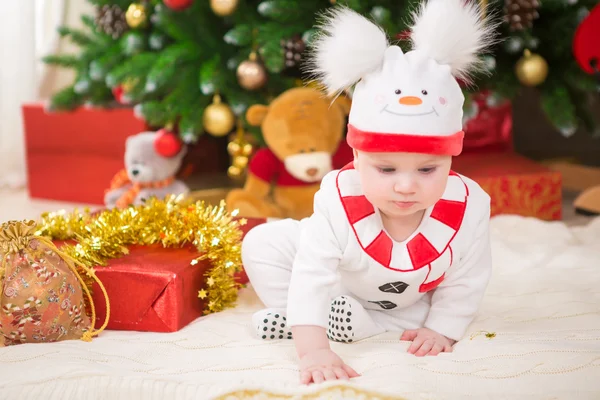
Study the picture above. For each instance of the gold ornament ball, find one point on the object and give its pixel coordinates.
(240, 162)
(233, 148)
(234, 172)
(247, 150)
(531, 69)
(223, 8)
(136, 16)
(218, 119)
(251, 74)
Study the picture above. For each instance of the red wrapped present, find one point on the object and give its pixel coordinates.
(491, 128)
(515, 184)
(72, 156)
(155, 288)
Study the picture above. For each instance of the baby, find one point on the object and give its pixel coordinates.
(397, 241)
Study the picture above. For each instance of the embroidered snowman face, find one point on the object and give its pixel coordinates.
(402, 184)
(411, 94)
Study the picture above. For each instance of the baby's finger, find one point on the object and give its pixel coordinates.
(436, 349)
(351, 372)
(340, 373)
(425, 348)
(317, 376)
(305, 377)
(448, 348)
(329, 374)
(409, 335)
(416, 344)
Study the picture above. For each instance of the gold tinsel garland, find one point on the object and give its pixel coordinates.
(172, 222)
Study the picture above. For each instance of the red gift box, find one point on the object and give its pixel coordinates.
(490, 129)
(72, 156)
(154, 288)
(515, 184)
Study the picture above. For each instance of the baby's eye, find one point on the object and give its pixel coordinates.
(427, 170)
(386, 170)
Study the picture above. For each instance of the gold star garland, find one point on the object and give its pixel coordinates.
(172, 222)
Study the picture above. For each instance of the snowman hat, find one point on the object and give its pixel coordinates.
(403, 102)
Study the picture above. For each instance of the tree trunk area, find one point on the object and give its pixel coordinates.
(536, 138)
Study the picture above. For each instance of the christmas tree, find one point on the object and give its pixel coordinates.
(196, 65)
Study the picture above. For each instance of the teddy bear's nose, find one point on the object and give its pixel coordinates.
(312, 171)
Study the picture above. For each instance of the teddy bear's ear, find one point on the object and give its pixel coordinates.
(256, 114)
(344, 103)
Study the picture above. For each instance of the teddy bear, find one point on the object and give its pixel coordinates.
(150, 170)
(303, 130)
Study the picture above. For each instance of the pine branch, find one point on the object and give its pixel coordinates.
(154, 113)
(123, 4)
(179, 26)
(558, 106)
(169, 63)
(63, 60)
(279, 10)
(101, 66)
(272, 55)
(191, 122)
(78, 37)
(100, 95)
(89, 21)
(211, 75)
(136, 67)
(66, 100)
(185, 95)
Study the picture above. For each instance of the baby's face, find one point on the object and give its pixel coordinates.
(401, 184)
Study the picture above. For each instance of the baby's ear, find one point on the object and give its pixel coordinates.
(256, 114)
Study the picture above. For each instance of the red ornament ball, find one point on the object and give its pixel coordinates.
(120, 95)
(167, 144)
(178, 5)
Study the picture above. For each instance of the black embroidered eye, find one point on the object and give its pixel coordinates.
(424, 92)
(398, 91)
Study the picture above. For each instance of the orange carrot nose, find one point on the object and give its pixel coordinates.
(410, 100)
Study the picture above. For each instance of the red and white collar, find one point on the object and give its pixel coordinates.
(432, 238)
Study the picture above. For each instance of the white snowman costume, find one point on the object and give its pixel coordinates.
(339, 269)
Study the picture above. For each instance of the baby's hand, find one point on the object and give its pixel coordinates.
(323, 365)
(427, 342)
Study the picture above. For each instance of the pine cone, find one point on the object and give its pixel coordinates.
(110, 19)
(519, 14)
(293, 49)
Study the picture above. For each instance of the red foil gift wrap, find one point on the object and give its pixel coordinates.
(156, 289)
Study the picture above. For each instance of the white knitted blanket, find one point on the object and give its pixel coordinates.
(542, 305)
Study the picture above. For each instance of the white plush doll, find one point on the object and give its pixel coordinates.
(147, 172)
